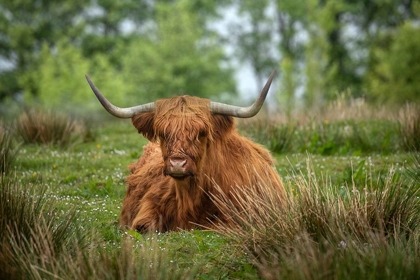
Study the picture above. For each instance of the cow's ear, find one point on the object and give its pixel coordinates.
(222, 125)
(144, 124)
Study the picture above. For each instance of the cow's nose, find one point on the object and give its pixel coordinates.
(177, 168)
(178, 163)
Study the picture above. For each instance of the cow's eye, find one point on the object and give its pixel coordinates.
(202, 134)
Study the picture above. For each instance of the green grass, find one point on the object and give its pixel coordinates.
(344, 137)
(89, 177)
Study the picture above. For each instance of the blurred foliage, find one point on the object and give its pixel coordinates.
(24, 26)
(141, 50)
(61, 82)
(173, 57)
(164, 49)
(329, 46)
(254, 41)
(174, 61)
(395, 77)
(349, 137)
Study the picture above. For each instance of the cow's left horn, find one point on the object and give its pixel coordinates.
(117, 111)
(243, 112)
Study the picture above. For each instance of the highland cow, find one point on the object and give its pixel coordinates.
(193, 147)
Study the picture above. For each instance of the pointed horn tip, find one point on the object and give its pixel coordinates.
(274, 72)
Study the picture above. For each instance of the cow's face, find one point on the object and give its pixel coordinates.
(185, 129)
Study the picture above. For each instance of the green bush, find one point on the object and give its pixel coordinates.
(394, 78)
(59, 82)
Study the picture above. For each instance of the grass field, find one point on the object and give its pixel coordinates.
(353, 194)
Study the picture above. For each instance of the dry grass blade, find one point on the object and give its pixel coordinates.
(48, 127)
(409, 119)
(36, 242)
(32, 228)
(414, 168)
(321, 227)
(7, 150)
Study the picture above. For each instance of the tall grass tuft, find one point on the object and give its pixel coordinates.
(346, 107)
(30, 224)
(48, 127)
(7, 151)
(329, 232)
(346, 126)
(409, 121)
(86, 130)
(132, 261)
(414, 169)
(37, 241)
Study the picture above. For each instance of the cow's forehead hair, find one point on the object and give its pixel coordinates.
(183, 116)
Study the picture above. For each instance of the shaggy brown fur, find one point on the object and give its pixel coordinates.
(183, 127)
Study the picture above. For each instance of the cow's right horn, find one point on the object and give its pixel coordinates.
(243, 112)
(118, 112)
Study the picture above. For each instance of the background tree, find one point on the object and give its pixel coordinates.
(24, 27)
(315, 58)
(174, 60)
(164, 51)
(62, 85)
(395, 77)
(165, 47)
(254, 41)
(290, 18)
(111, 25)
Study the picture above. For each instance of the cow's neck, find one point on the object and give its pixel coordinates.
(188, 196)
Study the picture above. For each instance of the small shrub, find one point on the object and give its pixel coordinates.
(48, 127)
(86, 131)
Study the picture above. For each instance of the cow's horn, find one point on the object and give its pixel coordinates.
(243, 112)
(117, 111)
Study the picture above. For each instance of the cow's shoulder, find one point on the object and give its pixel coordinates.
(151, 156)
